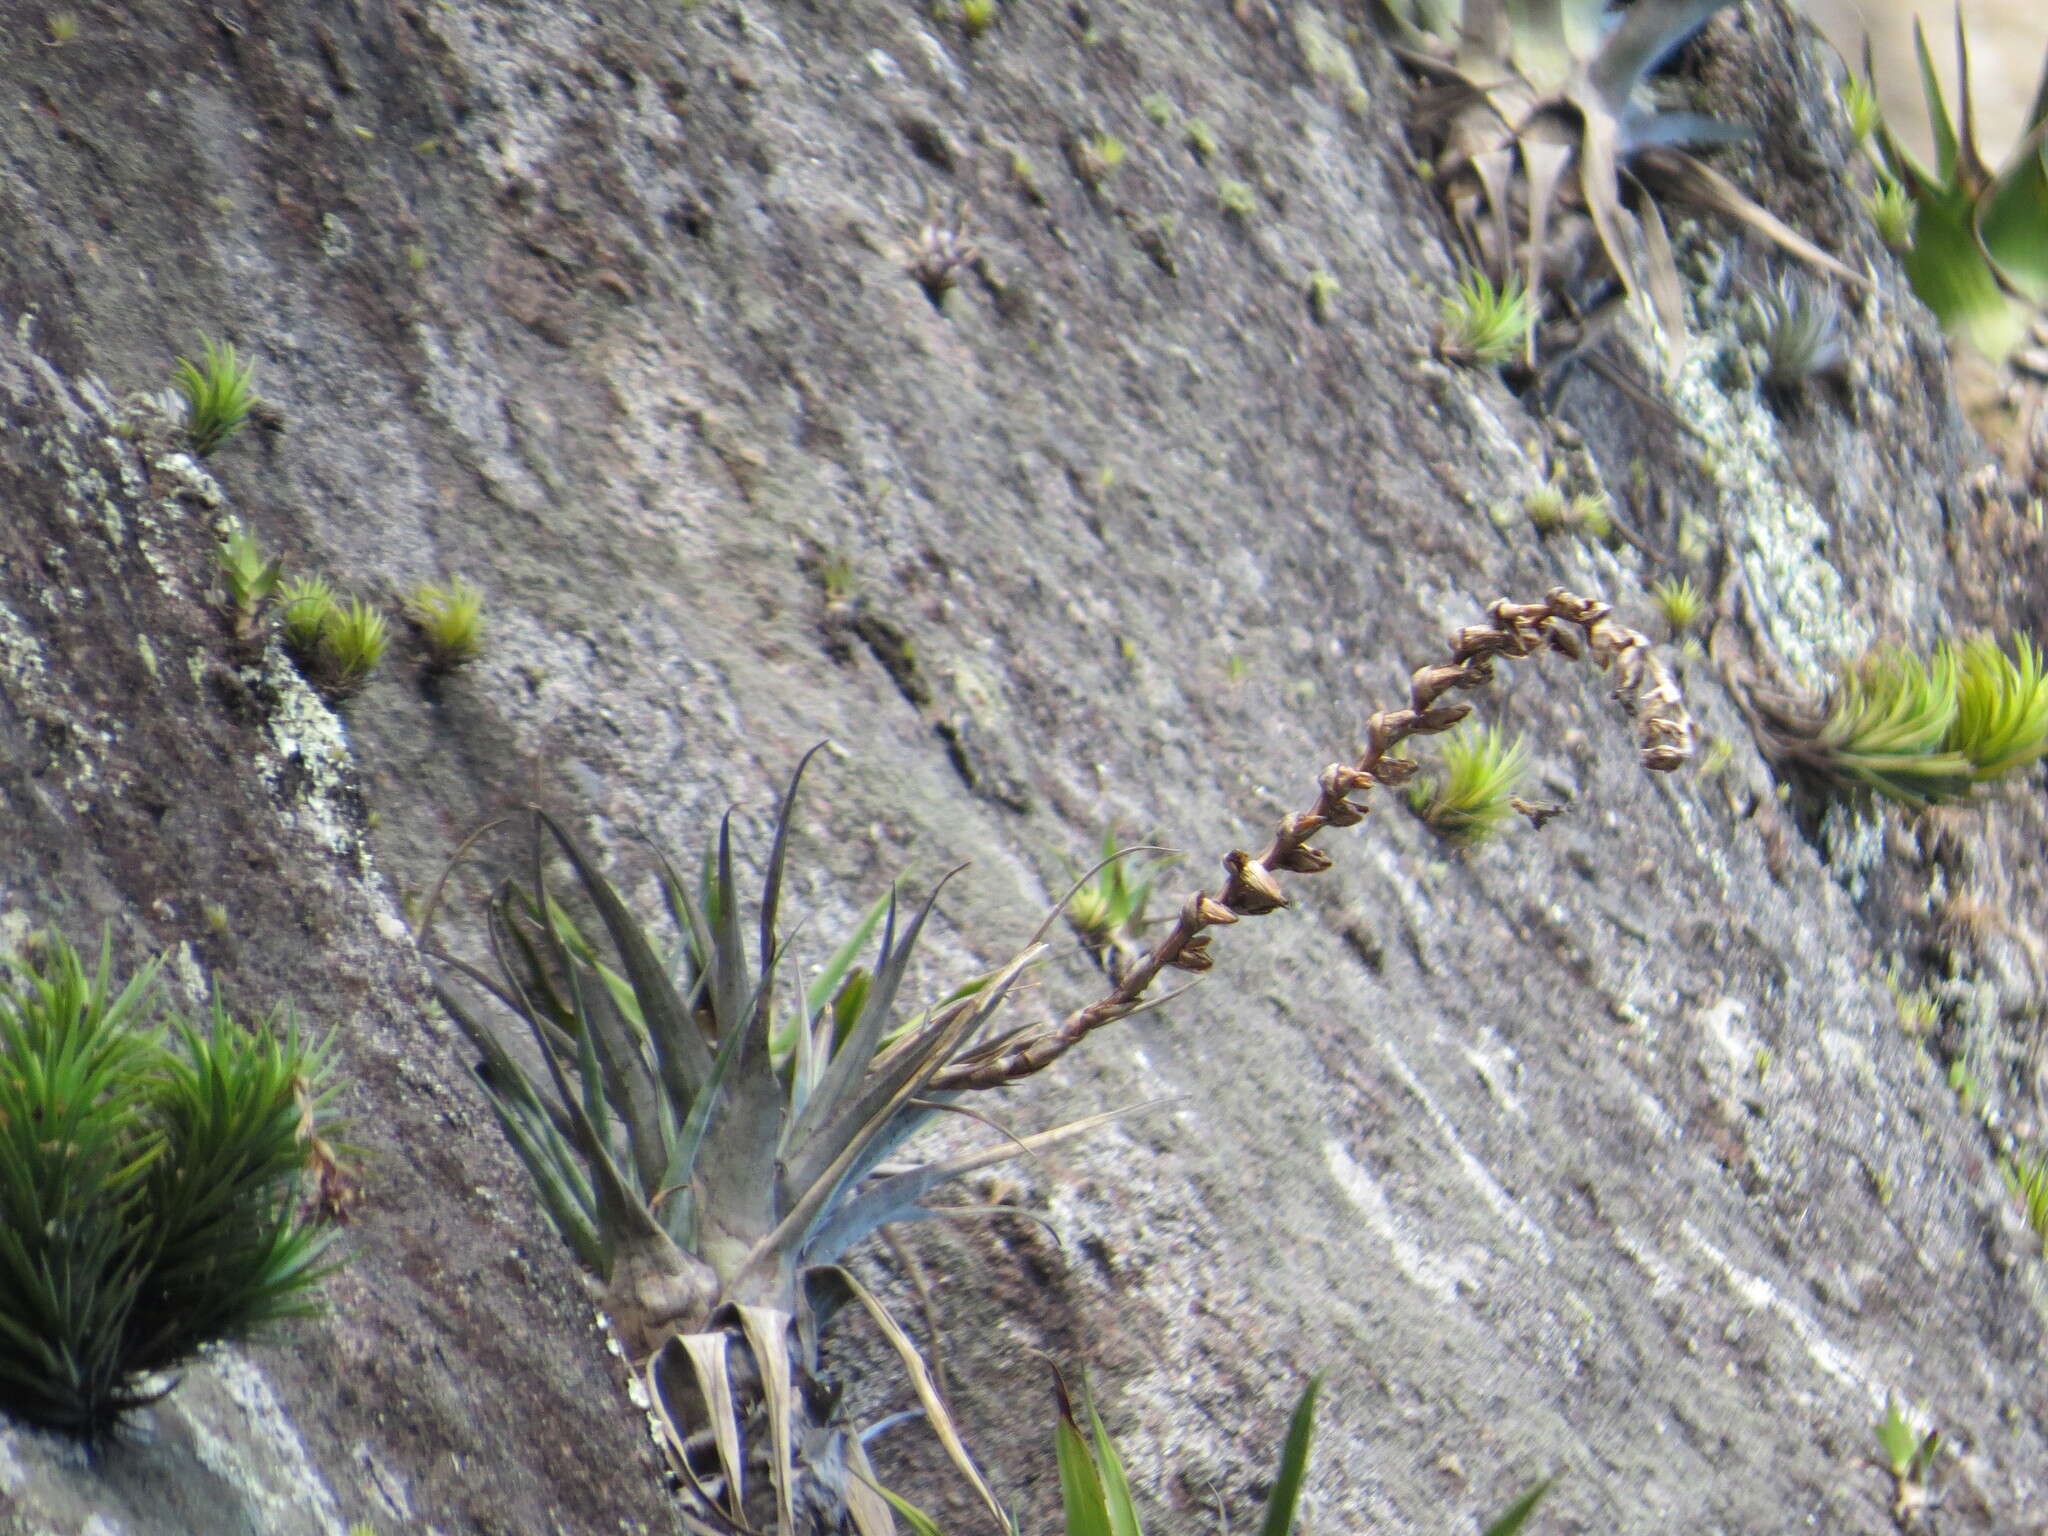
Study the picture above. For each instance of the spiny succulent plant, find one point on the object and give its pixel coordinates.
(1095, 1490)
(1919, 729)
(1979, 255)
(712, 1176)
(710, 1180)
(1547, 147)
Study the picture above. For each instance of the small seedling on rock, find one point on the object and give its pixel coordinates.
(218, 391)
(1472, 795)
(1890, 208)
(1679, 602)
(307, 603)
(1323, 290)
(1237, 198)
(1483, 325)
(250, 579)
(450, 619)
(337, 644)
(1802, 333)
(1097, 157)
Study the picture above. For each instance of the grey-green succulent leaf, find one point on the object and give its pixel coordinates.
(1979, 252)
(1555, 103)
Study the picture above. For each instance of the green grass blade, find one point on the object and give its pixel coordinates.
(1301, 1430)
(1081, 1494)
(920, 1523)
(1517, 1514)
(1118, 1505)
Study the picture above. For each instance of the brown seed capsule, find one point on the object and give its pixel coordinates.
(1343, 813)
(1442, 718)
(1298, 825)
(1341, 779)
(1302, 859)
(1428, 683)
(1194, 955)
(1250, 891)
(1207, 911)
(1389, 724)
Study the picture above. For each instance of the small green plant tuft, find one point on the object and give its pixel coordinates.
(1483, 325)
(1237, 198)
(1890, 208)
(63, 28)
(1107, 905)
(449, 616)
(307, 604)
(1097, 157)
(149, 1174)
(838, 579)
(1802, 335)
(1921, 729)
(1159, 108)
(218, 391)
(1473, 792)
(2001, 721)
(1202, 139)
(1592, 518)
(1859, 104)
(352, 645)
(250, 581)
(1909, 1458)
(1888, 728)
(977, 17)
(336, 643)
(1680, 603)
(1548, 508)
(1323, 291)
(2027, 1178)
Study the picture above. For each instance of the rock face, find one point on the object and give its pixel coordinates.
(1599, 1150)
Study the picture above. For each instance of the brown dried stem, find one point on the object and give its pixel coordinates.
(1664, 740)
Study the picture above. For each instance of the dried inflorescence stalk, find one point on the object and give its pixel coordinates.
(1664, 740)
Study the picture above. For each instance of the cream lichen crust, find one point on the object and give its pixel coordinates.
(1778, 533)
(306, 741)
